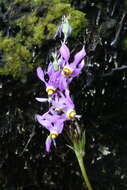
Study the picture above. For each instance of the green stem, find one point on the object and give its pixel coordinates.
(83, 170)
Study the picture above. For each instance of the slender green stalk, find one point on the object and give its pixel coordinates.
(83, 170)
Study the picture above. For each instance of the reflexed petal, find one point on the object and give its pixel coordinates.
(50, 68)
(79, 56)
(62, 83)
(65, 85)
(69, 80)
(81, 65)
(77, 71)
(58, 31)
(43, 122)
(54, 78)
(42, 99)
(59, 124)
(61, 62)
(48, 143)
(40, 74)
(64, 51)
(69, 100)
(67, 93)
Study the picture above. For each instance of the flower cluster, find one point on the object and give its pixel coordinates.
(60, 73)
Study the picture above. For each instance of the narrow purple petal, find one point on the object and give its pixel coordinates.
(78, 70)
(43, 122)
(61, 62)
(50, 68)
(58, 31)
(67, 93)
(40, 74)
(69, 80)
(65, 53)
(69, 100)
(42, 99)
(81, 65)
(62, 83)
(48, 143)
(54, 78)
(79, 56)
(60, 125)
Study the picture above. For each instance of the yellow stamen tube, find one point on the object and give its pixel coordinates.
(54, 135)
(71, 114)
(66, 71)
(50, 90)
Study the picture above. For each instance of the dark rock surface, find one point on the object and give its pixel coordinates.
(101, 99)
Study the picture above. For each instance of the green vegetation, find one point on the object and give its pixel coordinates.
(31, 24)
(125, 43)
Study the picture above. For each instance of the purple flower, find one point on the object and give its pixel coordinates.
(54, 123)
(73, 69)
(64, 28)
(48, 144)
(64, 51)
(62, 102)
(56, 80)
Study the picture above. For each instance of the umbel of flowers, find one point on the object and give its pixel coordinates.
(60, 73)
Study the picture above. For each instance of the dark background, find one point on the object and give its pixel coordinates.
(100, 96)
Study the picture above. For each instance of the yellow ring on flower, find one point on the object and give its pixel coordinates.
(50, 90)
(54, 135)
(71, 114)
(66, 71)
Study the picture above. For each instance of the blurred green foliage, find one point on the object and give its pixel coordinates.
(26, 26)
(125, 42)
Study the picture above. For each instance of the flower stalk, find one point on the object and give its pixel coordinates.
(77, 137)
(79, 157)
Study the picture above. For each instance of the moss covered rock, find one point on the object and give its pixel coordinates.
(26, 26)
